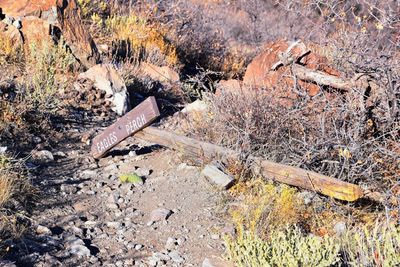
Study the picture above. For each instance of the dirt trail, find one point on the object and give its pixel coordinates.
(87, 217)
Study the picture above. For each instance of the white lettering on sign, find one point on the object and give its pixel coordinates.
(107, 142)
(135, 124)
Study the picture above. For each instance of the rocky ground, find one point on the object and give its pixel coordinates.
(87, 217)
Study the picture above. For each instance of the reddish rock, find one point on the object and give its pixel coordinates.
(259, 73)
(40, 20)
(231, 86)
(161, 74)
(18, 8)
(35, 30)
(11, 33)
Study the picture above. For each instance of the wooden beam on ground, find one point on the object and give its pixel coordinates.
(132, 122)
(202, 151)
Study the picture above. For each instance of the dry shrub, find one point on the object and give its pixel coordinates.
(328, 134)
(16, 194)
(49, 69)
(265, 207)
(9, 52)
(137, 37)
(6, 180)
(131, 34)
(5, 189)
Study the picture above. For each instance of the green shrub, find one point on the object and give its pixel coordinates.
(283, 248)
(379, 246)
(48, 66)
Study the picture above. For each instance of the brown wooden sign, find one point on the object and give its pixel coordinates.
(132, 122)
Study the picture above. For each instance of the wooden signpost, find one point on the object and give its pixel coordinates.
(132, 122)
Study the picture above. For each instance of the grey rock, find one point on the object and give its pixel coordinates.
(7, 264)
(114, 225)
(217, 177)
(106, 78)
(36, 139)
(129, 262)
(215, 237)
(69, 189)
(307, 196)
(207, 263)
(181, 240)
(76, 230)
(17, 23)
(340, 228)
(88, 174)
(152, 261)
(160, 214)
(111, 168)
(59, 154)
(112, 206)
(161, 256)
(126, 187)
(91, 224)
(51, 260)
(197, 106)
(8, 20)
(176, 257)
(171, 243)
(42, 156)
(143, 172)
(43, 230)
(3, 150)
(77, 247)
(185, 167)
(138, 247)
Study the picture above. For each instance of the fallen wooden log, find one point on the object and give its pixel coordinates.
(321, 78)
(202, 151)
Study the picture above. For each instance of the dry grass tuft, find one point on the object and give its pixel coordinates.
(16, 193)
(5, 189)
(9, 52)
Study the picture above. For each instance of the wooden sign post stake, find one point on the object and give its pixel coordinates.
(135, 120)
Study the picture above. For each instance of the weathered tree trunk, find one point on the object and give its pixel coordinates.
(202, 151)
(320, 78)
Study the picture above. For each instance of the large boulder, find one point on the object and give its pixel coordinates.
(260, 72)
(106, 78)
(39, 20)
